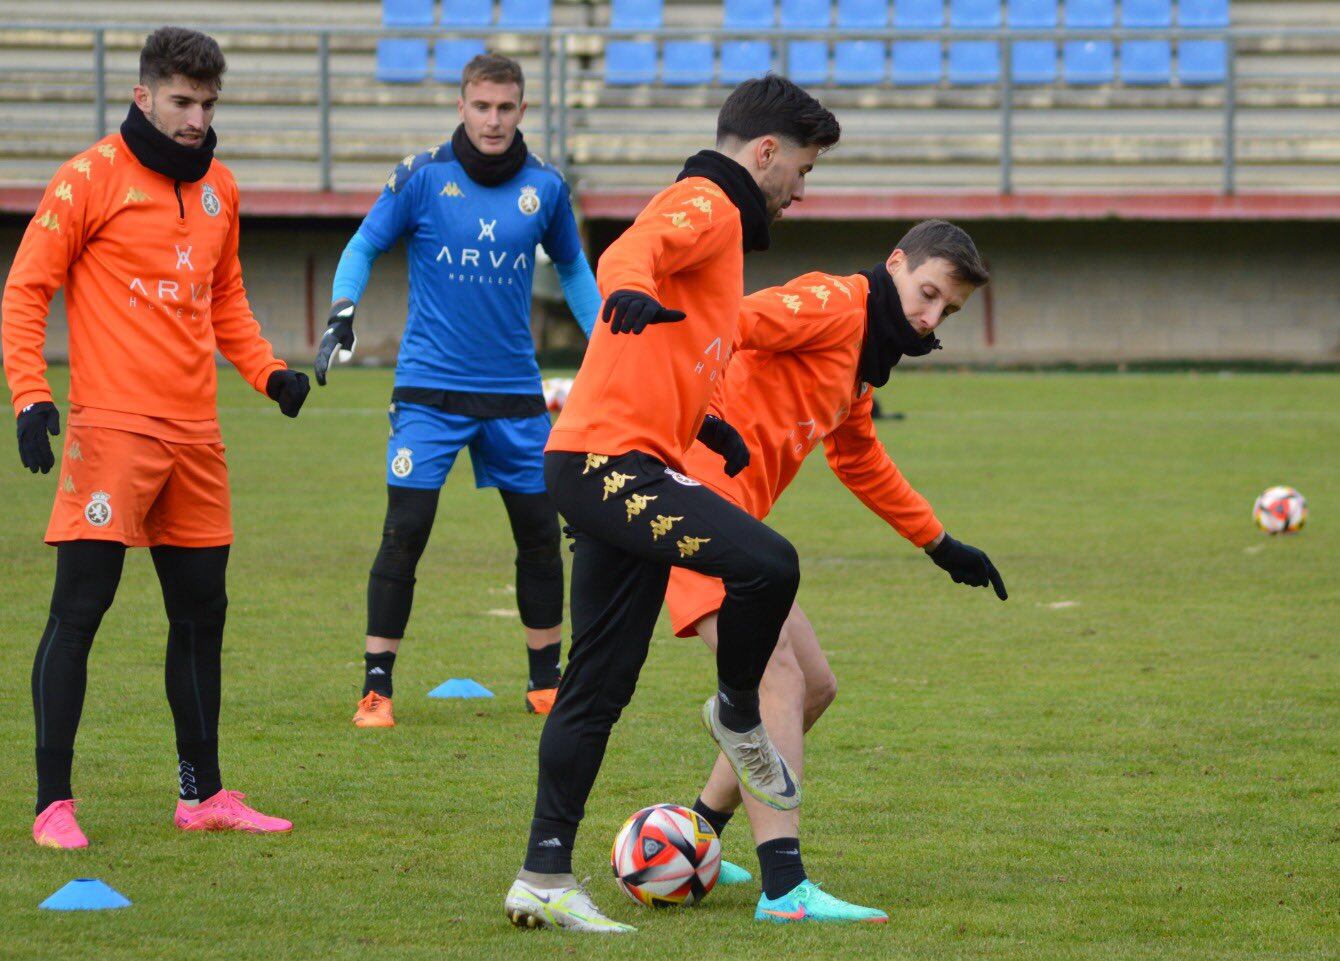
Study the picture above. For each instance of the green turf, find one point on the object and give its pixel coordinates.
(1148, 772)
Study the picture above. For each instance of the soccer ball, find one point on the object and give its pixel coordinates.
(1280, 510)
(666, 855)
(556, 392)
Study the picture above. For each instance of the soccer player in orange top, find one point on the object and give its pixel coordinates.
(141, 230)
(614, 466)
(808, 355)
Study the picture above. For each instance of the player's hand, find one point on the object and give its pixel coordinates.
(719, 436)
(630, 311)
(339, 333)
(967, 565)
(35, 422)
(288, 389)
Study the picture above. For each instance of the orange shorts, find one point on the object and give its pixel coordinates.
(691, 596)
(141, 491)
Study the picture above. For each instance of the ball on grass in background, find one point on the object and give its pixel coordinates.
(1280, 510)
(556, 392)
(666, 855)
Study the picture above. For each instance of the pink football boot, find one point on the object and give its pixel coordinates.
(56, 827)
(226, 812)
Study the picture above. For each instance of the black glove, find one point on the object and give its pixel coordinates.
(339, 333)
(35, 422)
(288, 389)
(630, 311)
(968, 565)
(719, 436)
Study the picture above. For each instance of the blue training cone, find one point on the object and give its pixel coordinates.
(460, 687)
(85, 894)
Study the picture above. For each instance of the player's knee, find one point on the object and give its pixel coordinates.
(780, 569)
(409, 521)
(80, 603)
(539, 563)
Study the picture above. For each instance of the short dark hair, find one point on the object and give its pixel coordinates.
(495, 68)
(940, 238)
(173, 51)
(775, 105)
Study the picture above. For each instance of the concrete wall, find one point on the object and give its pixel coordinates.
(1105, 292)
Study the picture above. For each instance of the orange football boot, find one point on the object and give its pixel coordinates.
(541, 700)
(374, 711)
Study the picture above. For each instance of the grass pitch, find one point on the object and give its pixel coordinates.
(1135, 757)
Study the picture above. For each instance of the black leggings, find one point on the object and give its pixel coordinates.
(634, 518)
(87, 576)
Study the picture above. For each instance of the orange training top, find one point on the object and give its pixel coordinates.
(649, 391)
(792, 384)
(152, 286)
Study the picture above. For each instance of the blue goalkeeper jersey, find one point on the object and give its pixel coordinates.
(471, 253)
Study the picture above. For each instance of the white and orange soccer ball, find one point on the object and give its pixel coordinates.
(666, 855)
(556, 392)
(1280, 510)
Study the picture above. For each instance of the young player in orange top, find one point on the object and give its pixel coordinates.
(141, 230)
(613, 467)
(809, 354)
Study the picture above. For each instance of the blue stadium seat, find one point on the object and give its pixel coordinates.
(744, 59)
(1202, 61)
(630, 63)
(974, 61)
(743, 14)
(636, 15)
(917, 62)
(1089, 61)
(451, 56)
(686, 63)
(467, 13)
(1032, 61)
(867, 14)
(797, 14)
(807, 61)
(1146, 61)
(525, 13)
(407, 13)
(402, 61)
(859, 63)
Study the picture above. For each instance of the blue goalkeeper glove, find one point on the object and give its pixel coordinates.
(339, 333)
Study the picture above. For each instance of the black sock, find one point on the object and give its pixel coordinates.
(549, 850)
(377, 676)
(718, 819)
(738, 710)
(543, 666)
(198, 776)
(779, 862)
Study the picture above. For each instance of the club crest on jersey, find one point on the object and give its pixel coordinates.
(684, 479)
(529, 201)
(210, 201)
(403, 462)
(98, 510)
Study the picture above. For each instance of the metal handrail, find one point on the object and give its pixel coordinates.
(556, 51)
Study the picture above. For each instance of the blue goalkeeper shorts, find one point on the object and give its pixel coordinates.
(506, 452)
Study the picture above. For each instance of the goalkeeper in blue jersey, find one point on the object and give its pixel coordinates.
(472, 212)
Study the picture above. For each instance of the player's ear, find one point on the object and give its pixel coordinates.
(521, 112)
(144, 98)
(460, 108)
(896, 260)
(765, 151)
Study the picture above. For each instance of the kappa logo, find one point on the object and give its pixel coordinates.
(637, 503)
(839, 285)
(595, 462)
(65, 192)
(701, 203)
(486, 230)
(821, 292)
(108, 152)
(391, 182)
(68, 486)
(50, 221)
(661, 526)
(75, 452)
(791, 302)
(451, 190)
(688, 546)
(83, 166)
(210, 201)
(403, 462)
(408, 161)
(684, 479)
(529, 201)
(614, 482)
(680, 219)
(98, 510)
(134, 196)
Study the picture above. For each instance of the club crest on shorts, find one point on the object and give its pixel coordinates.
(684, 479)
(403, 462)
(98, 510)
(210, 200)
(529, 201)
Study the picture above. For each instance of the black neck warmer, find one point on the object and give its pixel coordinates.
(889, 335)
(489, 170)
(163, 155)
(743, 192)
